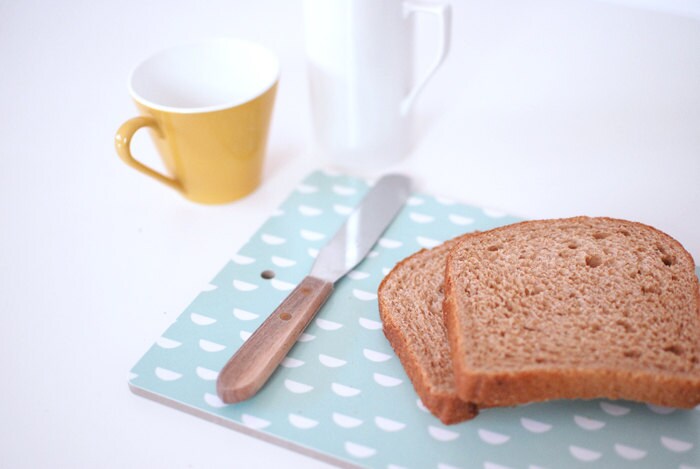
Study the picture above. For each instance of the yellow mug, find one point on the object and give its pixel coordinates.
(208, 108)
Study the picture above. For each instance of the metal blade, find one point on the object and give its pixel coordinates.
(362, 229)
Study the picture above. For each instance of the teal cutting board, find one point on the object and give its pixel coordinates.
(341, 394)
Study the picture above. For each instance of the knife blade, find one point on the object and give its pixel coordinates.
(255, 361)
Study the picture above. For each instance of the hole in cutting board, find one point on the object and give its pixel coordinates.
(267, 274)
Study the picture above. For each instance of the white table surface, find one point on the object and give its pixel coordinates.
(543, 109)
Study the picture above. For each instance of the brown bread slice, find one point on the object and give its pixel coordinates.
(410, 306)
(574, 308)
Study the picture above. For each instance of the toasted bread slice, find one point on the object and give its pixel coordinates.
(573, 308)
(410, 306)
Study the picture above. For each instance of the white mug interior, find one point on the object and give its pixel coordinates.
(205, 76)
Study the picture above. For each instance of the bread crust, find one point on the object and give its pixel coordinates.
(545, 382)
(449, 408)
(446, 406)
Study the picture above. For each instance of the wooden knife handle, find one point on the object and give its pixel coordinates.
(251, 366)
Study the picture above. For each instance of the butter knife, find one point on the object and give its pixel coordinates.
(255, 361)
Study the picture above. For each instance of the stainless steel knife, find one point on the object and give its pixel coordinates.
(251, 366)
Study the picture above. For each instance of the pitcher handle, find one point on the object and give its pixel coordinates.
(443, 12)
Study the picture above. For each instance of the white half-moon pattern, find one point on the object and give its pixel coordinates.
(297, 387)
(614, 409)
(442, 465)
(386, 381)
(388, 425)
(272, 240)
(209, 346)
(289, 362)
(460, 220)
(164, 342)
(421, 217)
(201, 320)
(240, 285)
(212, 400)
(342, 209)
(244, 335)
(302, 422)
(492, 438)
(390, 243)
(344, 391)
(364, 295)
(493, 465)
(283, 261)
(331, 362)
(167, 375)
(256, 423)
(657, 409)
(311, 235)
(242, 260)
(414, 201)
(306, 337)
(374, 356)
(344, 190)
(359, 451)
(281, 285)
(309, 211)
(444, 200)
(313, 253)
(370, 324)
(584, 454)
(677, 446)
(627, 452)
(427, 243)
(244, 315)
(535, 426)
(357, 275)
(206, 374)
(346, 421)
(588, 424)
(442, 434)
(327, 325)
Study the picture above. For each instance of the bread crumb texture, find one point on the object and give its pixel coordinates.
(410, 304)
(577, 294)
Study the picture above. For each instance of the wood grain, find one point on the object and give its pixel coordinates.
(251, 366)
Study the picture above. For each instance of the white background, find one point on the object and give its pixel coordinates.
(543, 109)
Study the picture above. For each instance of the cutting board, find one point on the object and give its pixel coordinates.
(341, 394)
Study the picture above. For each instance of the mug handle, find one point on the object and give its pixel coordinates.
(443, 11)
(122, 142)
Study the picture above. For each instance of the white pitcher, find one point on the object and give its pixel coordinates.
(360, 65)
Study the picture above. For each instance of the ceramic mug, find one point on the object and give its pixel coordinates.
(360, 66)
(208, 107)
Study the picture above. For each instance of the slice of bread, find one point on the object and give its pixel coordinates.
(573, 308)
(410, 305)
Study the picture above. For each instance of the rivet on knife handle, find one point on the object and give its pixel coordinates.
(248, 370)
